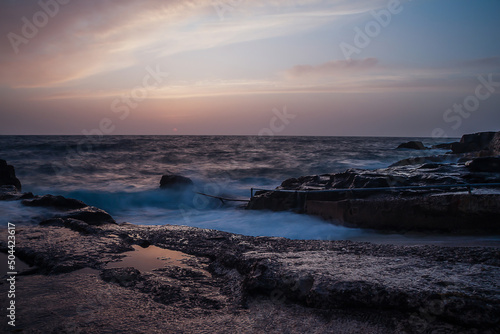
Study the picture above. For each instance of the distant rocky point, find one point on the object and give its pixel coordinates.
(413, 145)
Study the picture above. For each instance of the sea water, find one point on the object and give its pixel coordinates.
(121, 174)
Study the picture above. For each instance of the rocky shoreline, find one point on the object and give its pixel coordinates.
(76, 281)
(246, 284)
(416, 194)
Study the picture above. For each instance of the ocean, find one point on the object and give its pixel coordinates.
(121, 174)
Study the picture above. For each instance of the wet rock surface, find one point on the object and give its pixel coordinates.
(250, 284)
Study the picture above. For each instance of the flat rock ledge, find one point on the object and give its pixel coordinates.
(232, 283)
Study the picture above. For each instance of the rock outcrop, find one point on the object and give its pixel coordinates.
(413, 145)
(8, 175)
(73, 211)
(473, 142)
(175, 182)
(90, 215)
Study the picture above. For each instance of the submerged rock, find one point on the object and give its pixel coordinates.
(175, 182)
(8, 175)
(413, 145)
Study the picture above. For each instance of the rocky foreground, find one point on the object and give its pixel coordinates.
(237, 284)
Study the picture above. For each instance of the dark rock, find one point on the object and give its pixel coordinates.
(176, 182)
(27, 195)
(8, 175)
(485, 164)
(90, 215)
(473, 142)
(413, 145)
(58, 202)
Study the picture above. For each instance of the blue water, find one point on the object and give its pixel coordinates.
(121, 175)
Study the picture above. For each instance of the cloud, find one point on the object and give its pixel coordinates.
(88, 37)
(333, 67)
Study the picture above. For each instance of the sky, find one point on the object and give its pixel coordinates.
(423, 68)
